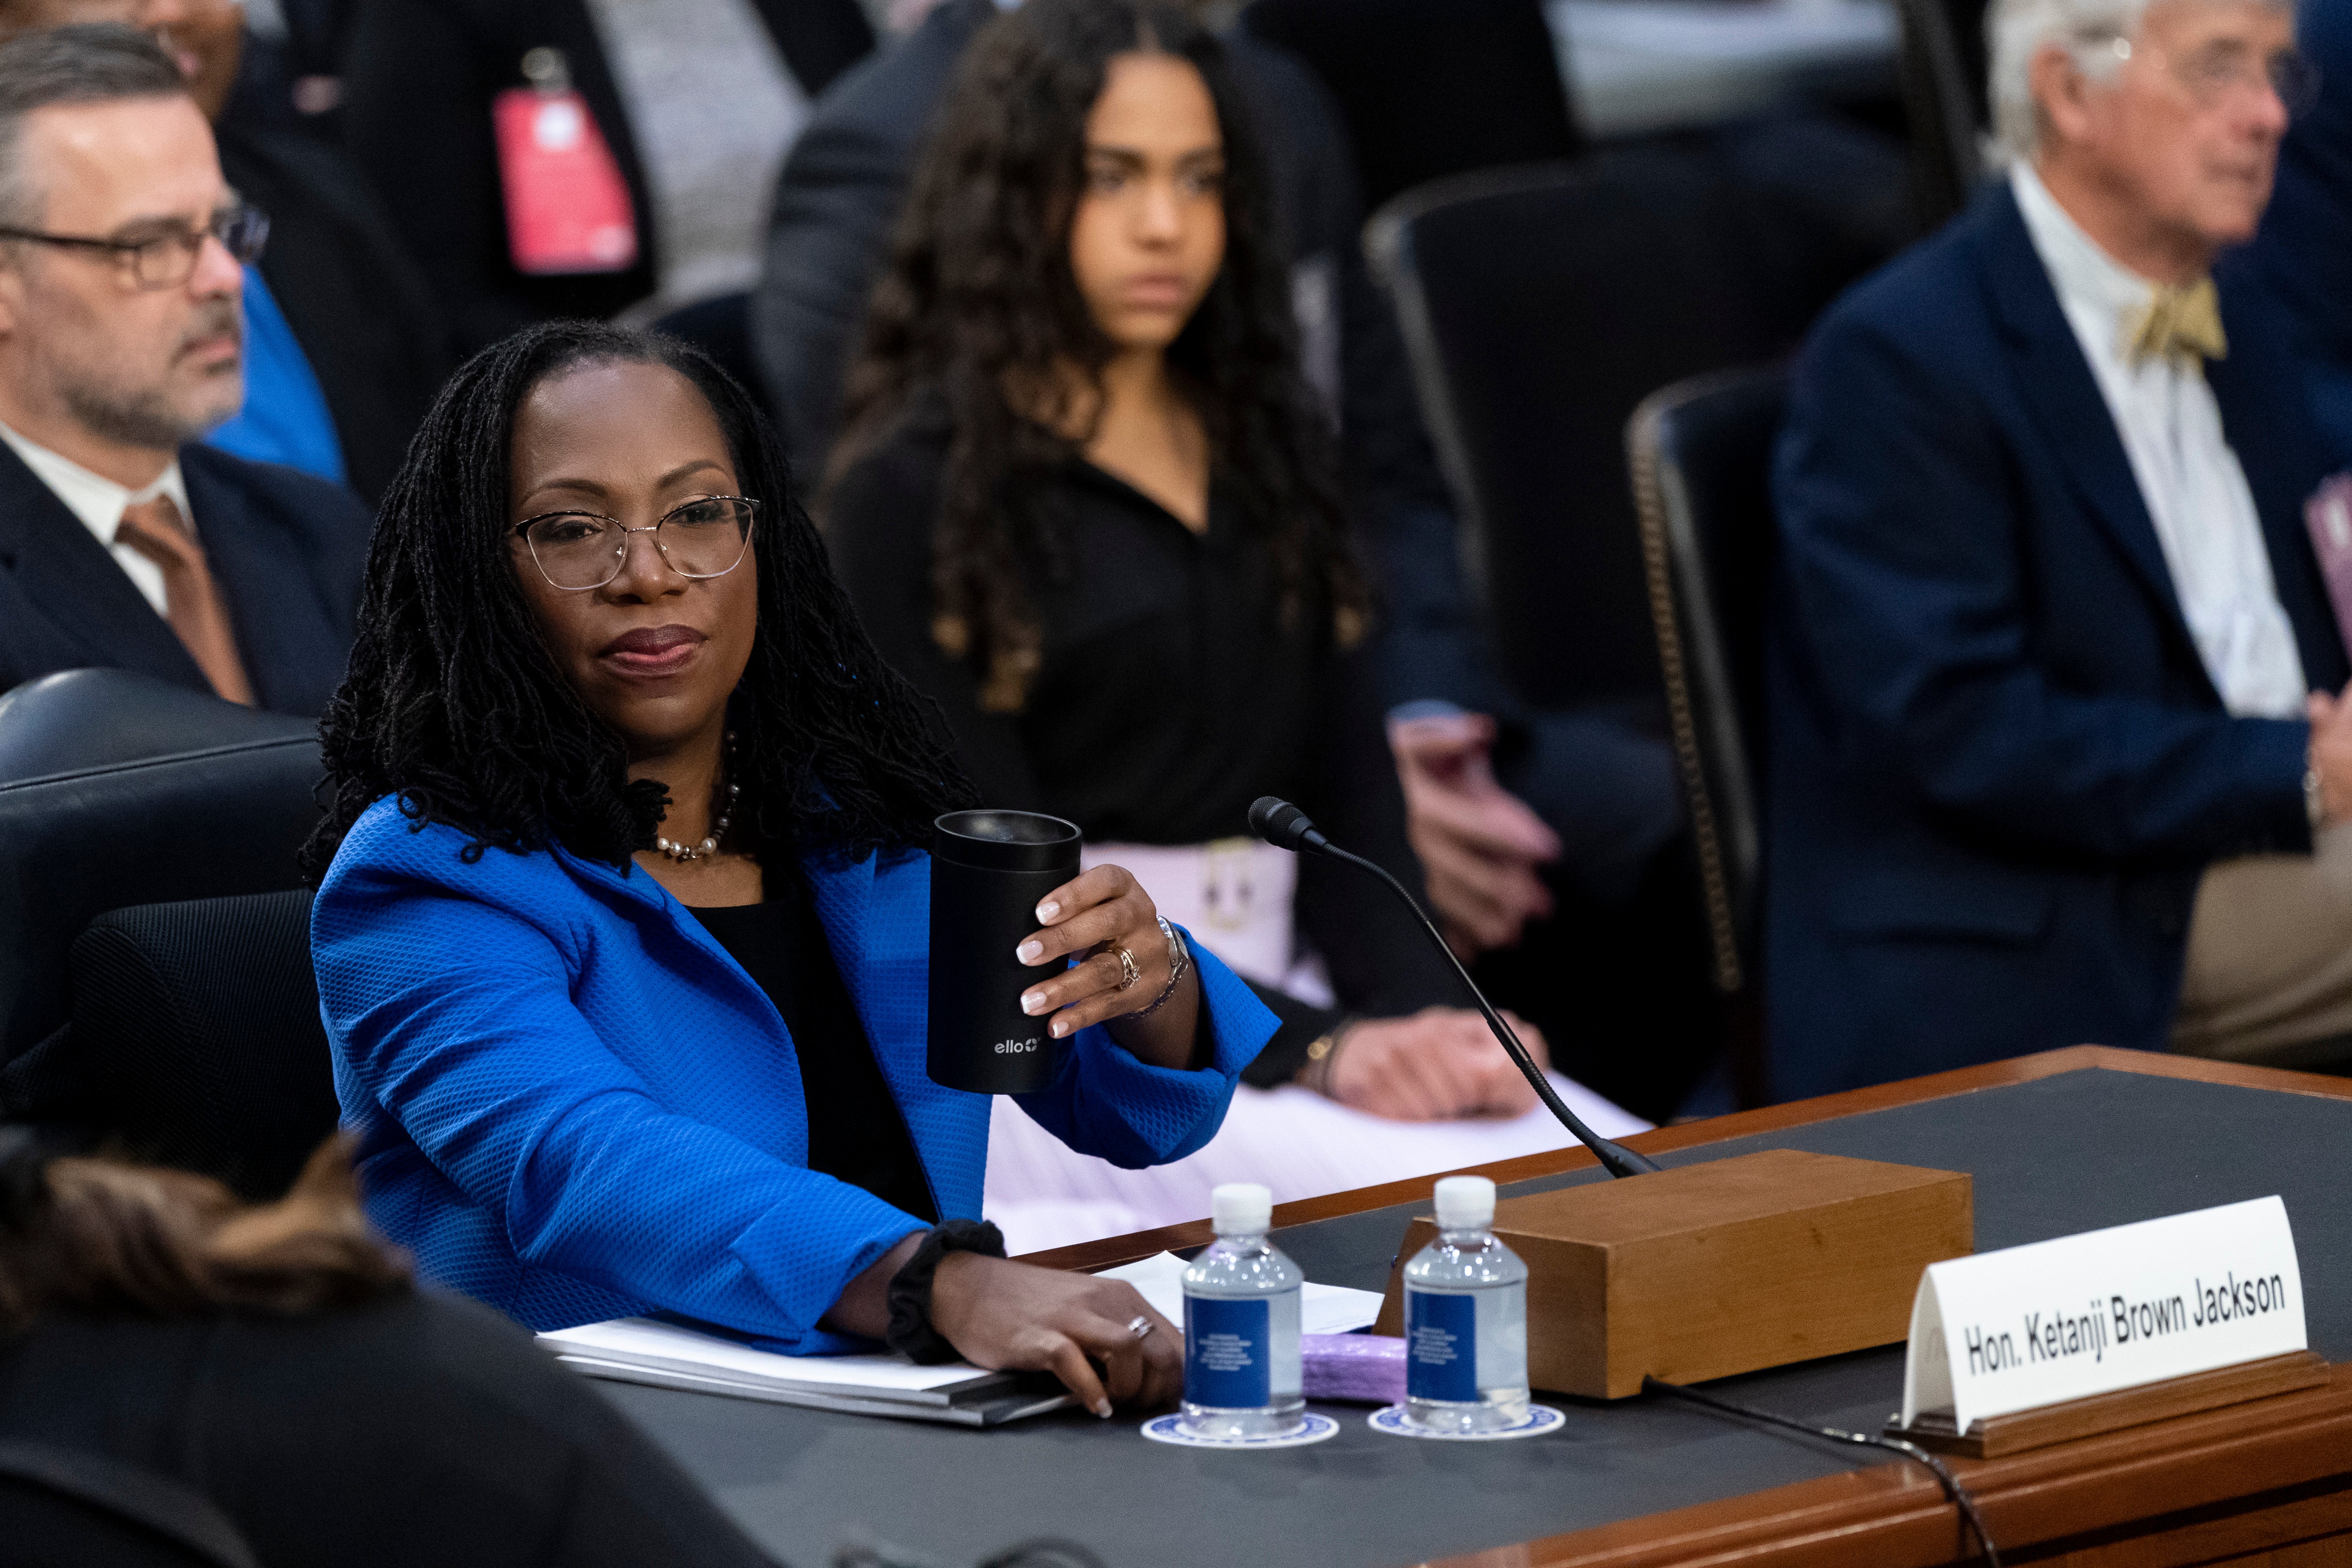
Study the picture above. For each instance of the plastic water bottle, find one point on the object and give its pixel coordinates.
(1241, 1325)
(1466, 1318)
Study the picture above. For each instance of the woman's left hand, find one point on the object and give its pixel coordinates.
(1104, 911)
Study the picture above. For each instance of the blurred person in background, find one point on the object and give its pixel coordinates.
(275, 1361)
(123, 542)
(2057, 755)
(1516, 815)
(1087, 503)
(660, 123)
(344, 346)
(2302, 257)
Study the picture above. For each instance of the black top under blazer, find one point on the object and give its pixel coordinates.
(285, 549)
(1997, 765)
(416, 114)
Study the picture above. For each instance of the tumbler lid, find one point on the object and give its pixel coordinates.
(1006, 841)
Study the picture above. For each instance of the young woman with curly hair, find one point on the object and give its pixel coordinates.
(621, 921)
(1085, 501)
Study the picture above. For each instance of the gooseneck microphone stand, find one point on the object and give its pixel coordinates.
(1285, 826)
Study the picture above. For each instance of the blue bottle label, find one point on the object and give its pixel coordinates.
(1227, 1364)
(1441, 1337)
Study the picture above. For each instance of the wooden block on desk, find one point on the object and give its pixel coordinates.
(1725, 1267)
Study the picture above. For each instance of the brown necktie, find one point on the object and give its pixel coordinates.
(191, 600)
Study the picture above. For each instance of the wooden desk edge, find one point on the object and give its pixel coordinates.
(1895, 1516)
(1112, 1251)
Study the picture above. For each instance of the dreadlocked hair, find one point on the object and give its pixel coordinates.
(980, 304)
(452, 703)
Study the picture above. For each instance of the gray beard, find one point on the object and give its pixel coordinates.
(136, 420)
(145, 416)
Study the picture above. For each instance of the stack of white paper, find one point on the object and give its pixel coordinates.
(640, 1350)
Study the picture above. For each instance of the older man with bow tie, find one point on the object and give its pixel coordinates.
(2056, 751)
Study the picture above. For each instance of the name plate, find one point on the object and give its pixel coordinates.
(2108, 1309)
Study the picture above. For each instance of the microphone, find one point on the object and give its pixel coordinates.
(1285, 826)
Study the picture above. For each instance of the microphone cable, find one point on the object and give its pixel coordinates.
(1960, 1496)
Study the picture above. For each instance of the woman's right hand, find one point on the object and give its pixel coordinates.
(1003, 1315)
(1438, 1064)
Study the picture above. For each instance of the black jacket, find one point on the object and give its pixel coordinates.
(285, 549)
(422, 1429)
(828, 239)
(416, 111)
(359, 308)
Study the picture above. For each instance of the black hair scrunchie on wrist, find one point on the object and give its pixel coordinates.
(911, 1288)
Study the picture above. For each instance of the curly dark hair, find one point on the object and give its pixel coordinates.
(452, 702)
(979, 296)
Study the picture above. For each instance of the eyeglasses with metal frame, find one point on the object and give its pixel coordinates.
(579, 551)
(166, 258)
(2224, 67)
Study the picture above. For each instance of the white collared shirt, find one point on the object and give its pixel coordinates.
(2194, 492)
(99, 501)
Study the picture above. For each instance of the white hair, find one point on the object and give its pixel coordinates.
(2016, 30)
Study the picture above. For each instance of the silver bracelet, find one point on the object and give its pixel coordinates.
(1180, 958)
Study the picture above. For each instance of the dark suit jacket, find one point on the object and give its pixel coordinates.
(416, 112)
(1997, 765)
(828, 239)
(360, 309)
(285, 549)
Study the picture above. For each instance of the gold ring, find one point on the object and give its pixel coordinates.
(1130, 972)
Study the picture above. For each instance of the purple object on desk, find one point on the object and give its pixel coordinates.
(1367, 1369)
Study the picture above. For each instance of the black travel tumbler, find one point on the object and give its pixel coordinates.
(990, 869)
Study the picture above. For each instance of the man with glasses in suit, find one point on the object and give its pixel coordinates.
(121, 341)
(2057, 753)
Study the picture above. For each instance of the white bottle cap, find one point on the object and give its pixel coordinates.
(1465, 1203)
(1240, 1208)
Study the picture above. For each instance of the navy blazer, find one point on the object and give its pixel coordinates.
(285, 549)
(1997, 764)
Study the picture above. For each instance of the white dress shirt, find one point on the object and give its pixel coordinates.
(2189, 477)
(99, 501)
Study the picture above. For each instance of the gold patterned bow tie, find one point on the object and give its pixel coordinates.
(2181, 323)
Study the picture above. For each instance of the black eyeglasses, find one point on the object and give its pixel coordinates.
(167, 259)
(577, 551)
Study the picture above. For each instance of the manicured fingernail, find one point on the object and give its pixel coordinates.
(1046, 911)
(1030, 951)
(1034, 1002)
(1102, 1408)
(1058, 1028)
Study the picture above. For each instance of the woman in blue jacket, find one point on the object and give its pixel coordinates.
(622, 922)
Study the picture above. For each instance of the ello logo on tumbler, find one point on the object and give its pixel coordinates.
(990, 870)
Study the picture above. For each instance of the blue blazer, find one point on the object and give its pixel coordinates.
(285, 549)
(573, 1105)
(1997, 764)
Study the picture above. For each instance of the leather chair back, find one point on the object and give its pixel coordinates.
(196, 1038)
(1701, 455)
(1431, 88)
(1539, 306)
(77, 719)
(220, 812)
